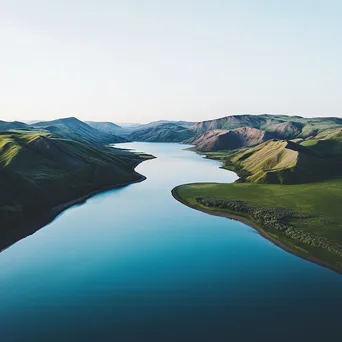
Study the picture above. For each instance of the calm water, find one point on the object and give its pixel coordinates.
(133, 264)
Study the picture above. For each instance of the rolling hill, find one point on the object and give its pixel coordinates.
(229, 123)
(233, 131)
(6, 126)
(283, 162)
(216, 140)
(328, 142)
(111, 128)
(161, 122)
(72, 128)
(40, 171)
(105, 127)
(162, 132)
(288, 127)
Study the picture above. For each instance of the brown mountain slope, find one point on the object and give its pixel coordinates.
(284, 130)
(215, 140)
(228, 122)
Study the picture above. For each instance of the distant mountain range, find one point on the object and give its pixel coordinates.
(225, 133)
(231, 134)
(72, 128)
(112, 129)
(243, 139)
(162, 132)
(272, 148)
(5, 126)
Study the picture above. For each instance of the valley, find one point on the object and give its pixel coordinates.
(132, 262)
(67, 160)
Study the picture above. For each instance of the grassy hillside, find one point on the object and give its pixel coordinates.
(229, 123)
(39, 171)
(282, 162)
(5, 126)
(328, 142)
(272, 126)
(306, 218)
(74, 129)
(286, 126)
(162, 122)
(225, 133)
(163, 132)
(111, 128)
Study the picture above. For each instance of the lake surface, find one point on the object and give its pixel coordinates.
(133, 264)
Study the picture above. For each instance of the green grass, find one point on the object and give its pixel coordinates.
(309, 143)
(321, 201)
(284, 162)
(39, 171)
(327, 147)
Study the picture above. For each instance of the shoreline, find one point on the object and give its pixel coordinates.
(259, 229)
(54, 212)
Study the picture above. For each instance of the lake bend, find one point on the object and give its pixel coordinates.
(134, 264)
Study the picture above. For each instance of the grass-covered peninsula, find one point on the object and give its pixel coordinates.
(305, 219)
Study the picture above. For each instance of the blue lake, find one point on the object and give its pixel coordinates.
(133, 264)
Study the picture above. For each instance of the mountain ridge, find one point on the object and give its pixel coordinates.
(75, 129)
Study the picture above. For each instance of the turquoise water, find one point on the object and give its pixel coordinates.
(133, 264)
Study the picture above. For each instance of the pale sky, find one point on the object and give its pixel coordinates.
(139, 61)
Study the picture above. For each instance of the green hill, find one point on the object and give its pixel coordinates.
(39, 171)
(286, 126)
(229, 123)
(162, 132)
(273, 126)
(228, 132)
(110, 128)
(6, 126)
(283, 162)
(72, 128)
(328, 142)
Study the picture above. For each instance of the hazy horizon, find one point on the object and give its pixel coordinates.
(131, 61)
